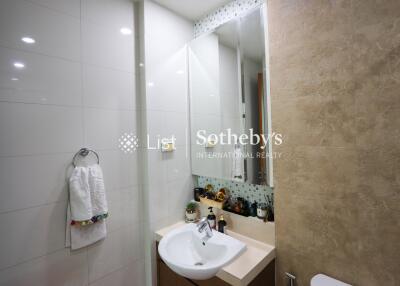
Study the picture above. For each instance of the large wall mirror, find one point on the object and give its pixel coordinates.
(229, 102)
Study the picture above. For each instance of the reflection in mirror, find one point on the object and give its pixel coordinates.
(251, 34)
(228, 101)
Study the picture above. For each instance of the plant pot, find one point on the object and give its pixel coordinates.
(191, 215)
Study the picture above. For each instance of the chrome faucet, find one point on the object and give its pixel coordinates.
(204, 225)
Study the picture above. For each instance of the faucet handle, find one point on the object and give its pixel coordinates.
(201, 221)
(203, 224)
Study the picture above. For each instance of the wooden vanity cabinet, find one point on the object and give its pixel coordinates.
(167, 277)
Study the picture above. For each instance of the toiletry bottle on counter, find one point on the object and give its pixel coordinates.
(253, 209)
(221, 224)
(262, 211)
(198, 192)
(211, 218)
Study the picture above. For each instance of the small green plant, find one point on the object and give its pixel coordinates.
(191, 207)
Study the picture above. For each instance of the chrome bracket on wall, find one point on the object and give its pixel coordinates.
(291, 279)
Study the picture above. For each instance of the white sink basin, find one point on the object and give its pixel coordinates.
(186, 252)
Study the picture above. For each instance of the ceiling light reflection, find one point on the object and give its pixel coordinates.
(19, 65)
(28, 40)
(125, 31)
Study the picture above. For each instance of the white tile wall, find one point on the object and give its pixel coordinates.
(59, 268)
(108, 13)
(70, 7)
(178, 164)
(31, 233)
(179, 194)
(120, 170)
(169, 181)
(105, 126)
(119, 249)
(125, 206)
(28, 129)
(126, 276)
(167, 110)
(22, 184)
(104, 19)
(166, 28)
(115, 53)
(77, 89)
(158, 204)
(56, 34)
(167, 124)
(167, 81)
(177, 123)
(100, 85)
(156, 126)
(44, 80)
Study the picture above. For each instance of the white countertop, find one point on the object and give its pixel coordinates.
(244, 268)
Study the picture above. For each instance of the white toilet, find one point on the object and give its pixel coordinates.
(323, 280)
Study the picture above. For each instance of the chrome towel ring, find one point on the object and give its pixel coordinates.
(83, 152)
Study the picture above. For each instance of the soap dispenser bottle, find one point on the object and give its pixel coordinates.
(221, 224)
(211, 218)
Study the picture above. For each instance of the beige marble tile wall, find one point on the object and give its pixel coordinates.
(335, 81)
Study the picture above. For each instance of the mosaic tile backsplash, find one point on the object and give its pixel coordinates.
(224, 14)
(250, 192)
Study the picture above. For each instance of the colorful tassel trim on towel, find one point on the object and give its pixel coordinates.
(90, 221)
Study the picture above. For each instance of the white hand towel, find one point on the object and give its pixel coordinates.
(87, 200)
(80, 236)
(97, 191)
(79, 194)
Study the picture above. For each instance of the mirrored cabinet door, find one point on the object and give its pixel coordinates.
(227, 81)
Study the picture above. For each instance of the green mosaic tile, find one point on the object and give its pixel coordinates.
(250, 192)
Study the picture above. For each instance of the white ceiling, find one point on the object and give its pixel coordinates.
(192, 9)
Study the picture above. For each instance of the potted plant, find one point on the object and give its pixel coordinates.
(191, 212)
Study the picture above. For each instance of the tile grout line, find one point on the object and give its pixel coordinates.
(31, 259)
(110, 191)
(83, 112)
(53, 10)
(55, 153)
(118, 269)
(66, 59)
(82, 76)
(32, 207)
(77, 106)
(121, 228)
